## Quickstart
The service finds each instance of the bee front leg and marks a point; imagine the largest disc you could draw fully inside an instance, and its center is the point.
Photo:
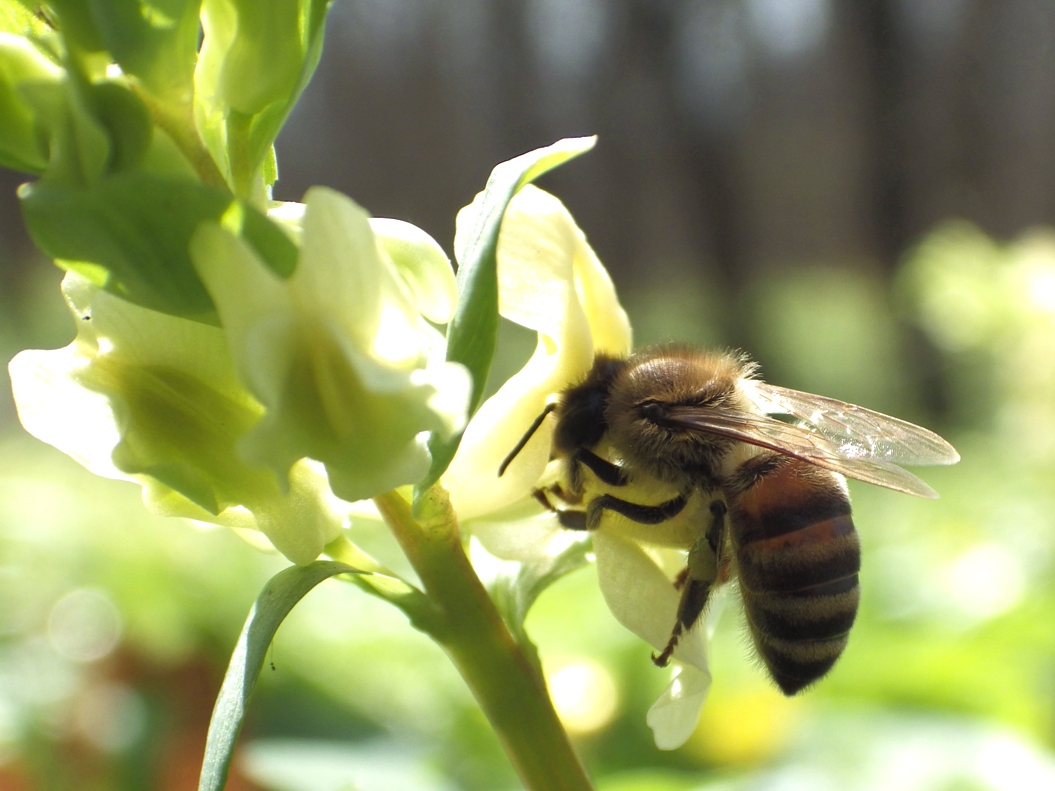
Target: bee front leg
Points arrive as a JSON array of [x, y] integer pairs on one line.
[[697, 581], [606, 472]]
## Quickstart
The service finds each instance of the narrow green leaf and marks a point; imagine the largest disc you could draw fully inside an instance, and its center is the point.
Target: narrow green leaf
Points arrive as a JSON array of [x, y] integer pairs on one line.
[[279, 596], [137, 228], [473, 332]]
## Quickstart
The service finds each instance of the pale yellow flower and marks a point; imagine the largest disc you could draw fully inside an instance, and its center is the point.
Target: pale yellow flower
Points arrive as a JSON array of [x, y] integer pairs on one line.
[[551, 281]]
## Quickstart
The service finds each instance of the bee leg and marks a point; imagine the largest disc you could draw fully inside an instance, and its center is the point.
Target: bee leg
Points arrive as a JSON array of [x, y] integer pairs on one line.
[[569, 519], [643, 514], [697, 580], [540, 495], [606, 471], [568, 497], [572, 520], [662, 659], [681, 579], [693, 599]]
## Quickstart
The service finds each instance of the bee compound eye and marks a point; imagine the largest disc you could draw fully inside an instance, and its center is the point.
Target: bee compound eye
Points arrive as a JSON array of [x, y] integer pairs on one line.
[[653, 411]]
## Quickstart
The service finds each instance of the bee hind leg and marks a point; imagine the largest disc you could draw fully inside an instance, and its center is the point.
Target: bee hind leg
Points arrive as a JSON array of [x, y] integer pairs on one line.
[[695, 582], [694, 595]]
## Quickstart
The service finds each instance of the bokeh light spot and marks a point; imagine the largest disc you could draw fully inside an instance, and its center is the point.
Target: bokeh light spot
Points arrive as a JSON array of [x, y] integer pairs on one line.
[[84, 625], [584, 694], [986, 580], [744, 728], [111, 717]]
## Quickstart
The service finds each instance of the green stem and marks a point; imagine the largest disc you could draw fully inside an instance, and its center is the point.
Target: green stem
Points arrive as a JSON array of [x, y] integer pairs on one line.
[[238, 128], [472, 632], [180, 127]]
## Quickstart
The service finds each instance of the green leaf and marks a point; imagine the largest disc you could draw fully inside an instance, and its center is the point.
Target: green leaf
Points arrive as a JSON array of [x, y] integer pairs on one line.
[[473, 332], [268, 123], [279, 596], [23, 143], [77, 24], [262, 63], [155, 40], [137, 227], [126, 120]]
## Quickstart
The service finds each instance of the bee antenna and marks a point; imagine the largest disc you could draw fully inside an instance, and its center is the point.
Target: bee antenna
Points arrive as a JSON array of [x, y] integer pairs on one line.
[[525, 439]]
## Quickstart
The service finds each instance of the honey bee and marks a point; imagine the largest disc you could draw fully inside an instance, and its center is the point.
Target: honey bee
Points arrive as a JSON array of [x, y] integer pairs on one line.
[[766, 497]]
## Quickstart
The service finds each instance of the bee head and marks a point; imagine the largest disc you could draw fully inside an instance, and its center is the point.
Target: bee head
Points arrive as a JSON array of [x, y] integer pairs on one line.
[[656, 380]]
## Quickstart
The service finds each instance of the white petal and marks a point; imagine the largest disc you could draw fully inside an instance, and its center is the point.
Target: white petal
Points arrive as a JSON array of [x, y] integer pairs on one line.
[[337, 353], [527, 538], [398, 467], [57, 410], [472, 479], [139, 336], [342, 274], [674, 715], [453, 385], [254, 307], [303, 522], [551, 281], [423, 265], [642, 597]]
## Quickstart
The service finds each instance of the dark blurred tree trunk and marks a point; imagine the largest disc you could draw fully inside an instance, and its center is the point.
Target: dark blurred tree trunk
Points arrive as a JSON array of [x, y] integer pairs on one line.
[[884, 53]]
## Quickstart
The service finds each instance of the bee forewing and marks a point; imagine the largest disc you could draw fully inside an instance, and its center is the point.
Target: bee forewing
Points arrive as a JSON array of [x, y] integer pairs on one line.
[[859, 433], [800, 442]]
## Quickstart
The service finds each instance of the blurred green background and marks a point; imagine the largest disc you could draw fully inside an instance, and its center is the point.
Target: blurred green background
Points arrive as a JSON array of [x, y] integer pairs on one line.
[[854, 193]]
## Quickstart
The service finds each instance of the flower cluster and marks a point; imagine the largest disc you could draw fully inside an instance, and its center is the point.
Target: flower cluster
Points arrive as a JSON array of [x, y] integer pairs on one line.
[[329, 379]]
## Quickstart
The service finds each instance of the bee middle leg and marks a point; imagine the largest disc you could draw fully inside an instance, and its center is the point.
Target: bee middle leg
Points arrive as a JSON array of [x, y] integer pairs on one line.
[[642, 514]]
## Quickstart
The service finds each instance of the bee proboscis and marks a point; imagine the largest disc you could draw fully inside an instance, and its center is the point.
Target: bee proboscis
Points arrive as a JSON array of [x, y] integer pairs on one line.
[[769, 501]]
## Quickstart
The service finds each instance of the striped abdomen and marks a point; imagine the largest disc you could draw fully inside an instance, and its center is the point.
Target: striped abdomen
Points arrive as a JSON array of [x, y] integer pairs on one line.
[[798, 556]]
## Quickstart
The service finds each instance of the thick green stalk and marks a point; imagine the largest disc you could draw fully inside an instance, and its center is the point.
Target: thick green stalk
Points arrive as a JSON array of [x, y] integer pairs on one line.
[[504, 682], [180, 127]]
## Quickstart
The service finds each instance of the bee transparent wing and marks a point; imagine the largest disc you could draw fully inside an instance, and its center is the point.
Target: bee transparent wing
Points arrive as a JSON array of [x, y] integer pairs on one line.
[[856, 431], [800, 442]]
